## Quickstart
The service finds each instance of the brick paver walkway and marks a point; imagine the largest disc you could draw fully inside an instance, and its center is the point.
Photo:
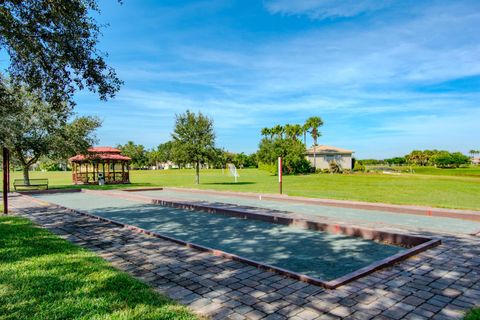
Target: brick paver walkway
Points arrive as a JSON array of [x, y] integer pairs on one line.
[[441, 283]]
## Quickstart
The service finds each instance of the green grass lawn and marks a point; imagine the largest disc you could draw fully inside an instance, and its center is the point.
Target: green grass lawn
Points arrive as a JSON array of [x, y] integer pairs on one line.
[[473, 171], [437, 190], [45, 277], [473, 314]]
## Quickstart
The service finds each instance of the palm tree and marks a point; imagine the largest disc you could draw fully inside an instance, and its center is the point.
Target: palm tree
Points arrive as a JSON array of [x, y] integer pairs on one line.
[[305, 129], [313, 124], [293, 131], [266, 132], [278, 130], [473, 152]]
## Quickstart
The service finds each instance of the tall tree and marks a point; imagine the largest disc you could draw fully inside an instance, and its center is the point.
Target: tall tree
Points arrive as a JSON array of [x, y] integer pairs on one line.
[[314, 123], [52, 46], [194, 140], [305, 129], [33, 131]]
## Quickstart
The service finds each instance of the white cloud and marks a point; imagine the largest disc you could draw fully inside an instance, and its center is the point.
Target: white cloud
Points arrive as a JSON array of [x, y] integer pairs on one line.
[[323, 9]]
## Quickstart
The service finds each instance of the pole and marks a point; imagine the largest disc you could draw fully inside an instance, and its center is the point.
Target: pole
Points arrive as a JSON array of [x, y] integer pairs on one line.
[[8, 171], [280, 174], [5, 180]]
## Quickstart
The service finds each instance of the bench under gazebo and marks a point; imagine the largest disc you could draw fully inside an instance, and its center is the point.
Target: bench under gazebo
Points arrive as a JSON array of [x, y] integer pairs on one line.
[[100, 161]]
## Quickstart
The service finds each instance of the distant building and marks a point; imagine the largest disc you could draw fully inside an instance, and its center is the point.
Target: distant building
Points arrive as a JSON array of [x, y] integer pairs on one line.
[[323, 155], [476, 161]]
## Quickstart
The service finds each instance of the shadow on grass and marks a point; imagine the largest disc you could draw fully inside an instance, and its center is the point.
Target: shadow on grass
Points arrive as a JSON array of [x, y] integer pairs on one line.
[[230, 183], [45, 277]]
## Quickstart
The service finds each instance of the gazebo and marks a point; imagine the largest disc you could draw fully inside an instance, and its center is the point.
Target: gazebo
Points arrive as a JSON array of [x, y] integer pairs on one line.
[[106, 161]]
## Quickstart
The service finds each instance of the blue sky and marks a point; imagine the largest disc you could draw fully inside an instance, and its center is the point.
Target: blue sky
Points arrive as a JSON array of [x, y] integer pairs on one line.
[[386, 76]]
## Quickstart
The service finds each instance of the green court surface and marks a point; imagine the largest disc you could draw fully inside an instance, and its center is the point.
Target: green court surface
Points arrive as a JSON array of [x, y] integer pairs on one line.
[[345, 214], [313, 253]]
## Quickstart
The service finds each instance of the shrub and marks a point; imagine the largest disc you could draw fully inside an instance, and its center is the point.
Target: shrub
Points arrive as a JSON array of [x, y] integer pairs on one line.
[[359, 166], [334, 167], [271, 168], [292, 152]]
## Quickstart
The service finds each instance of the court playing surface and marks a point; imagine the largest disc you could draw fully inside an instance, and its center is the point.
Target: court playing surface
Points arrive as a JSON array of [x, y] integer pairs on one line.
[[313, 253], [408, 221]]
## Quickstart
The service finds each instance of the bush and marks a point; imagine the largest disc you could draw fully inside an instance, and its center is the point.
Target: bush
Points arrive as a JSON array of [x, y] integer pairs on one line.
[[359, 166], [334, 167], [292, 152], [271, 168]]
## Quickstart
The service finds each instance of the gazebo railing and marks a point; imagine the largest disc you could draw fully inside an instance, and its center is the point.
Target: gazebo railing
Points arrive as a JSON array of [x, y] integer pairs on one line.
[[83, 177]]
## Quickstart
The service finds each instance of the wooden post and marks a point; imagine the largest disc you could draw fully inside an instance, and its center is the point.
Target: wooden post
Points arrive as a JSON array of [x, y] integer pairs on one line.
[[8, 171], [280, 174], [123, 171], [113, 170], [108, 169], [6, 168]]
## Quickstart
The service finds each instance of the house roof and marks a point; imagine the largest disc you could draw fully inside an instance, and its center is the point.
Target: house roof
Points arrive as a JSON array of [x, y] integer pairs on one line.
[[327, 149], [100, 153]]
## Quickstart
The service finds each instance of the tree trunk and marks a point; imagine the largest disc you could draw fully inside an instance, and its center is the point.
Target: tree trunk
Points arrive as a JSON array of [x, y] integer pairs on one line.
[[198, 173], [26, 175], [305, 138]]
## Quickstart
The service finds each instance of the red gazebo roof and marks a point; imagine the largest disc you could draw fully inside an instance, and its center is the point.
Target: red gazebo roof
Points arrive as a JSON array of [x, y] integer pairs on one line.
[[103, 150], [100, 153]]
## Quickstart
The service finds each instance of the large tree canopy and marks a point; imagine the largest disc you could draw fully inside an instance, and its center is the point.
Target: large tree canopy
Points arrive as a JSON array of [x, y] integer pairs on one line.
[[33, 130], [52, 45]]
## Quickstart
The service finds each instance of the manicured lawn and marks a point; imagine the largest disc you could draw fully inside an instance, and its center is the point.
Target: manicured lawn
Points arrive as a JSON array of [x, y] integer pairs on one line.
[[45, 277], [473, 171], [448, 191], [474, 314]]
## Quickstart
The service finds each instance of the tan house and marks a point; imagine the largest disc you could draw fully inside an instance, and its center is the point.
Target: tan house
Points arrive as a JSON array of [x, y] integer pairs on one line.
[[323, 155]]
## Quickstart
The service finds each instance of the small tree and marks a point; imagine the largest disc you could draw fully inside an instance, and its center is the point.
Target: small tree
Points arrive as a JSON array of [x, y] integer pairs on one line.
[[193, 140]]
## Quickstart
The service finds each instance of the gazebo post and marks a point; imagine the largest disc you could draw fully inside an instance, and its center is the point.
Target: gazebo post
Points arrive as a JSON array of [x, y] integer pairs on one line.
[[128, 171], [103, 170], [79, 176], [74, 172], [108, 169], [114, 170]]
